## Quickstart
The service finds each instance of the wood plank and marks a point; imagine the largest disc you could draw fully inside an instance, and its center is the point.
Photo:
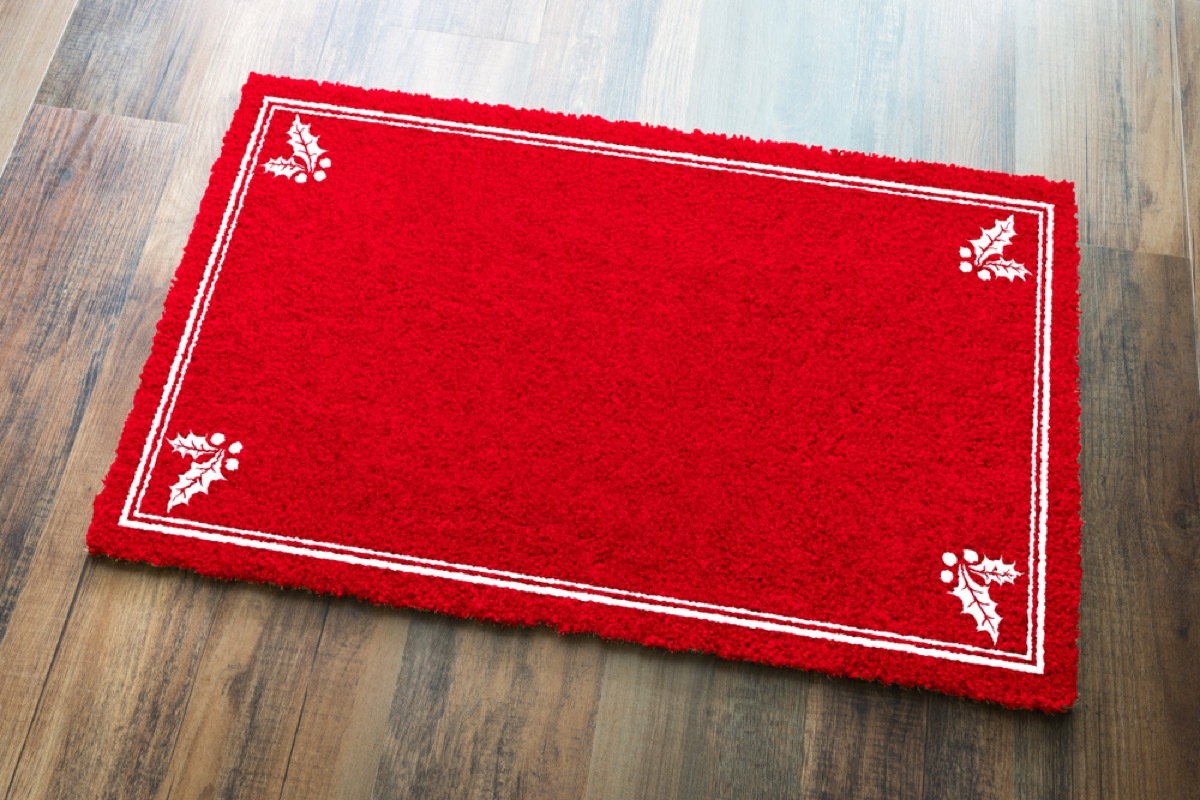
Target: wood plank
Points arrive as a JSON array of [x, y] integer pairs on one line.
[[859, 76], [449, 65], [235, 734], [969, 750], [1138, 719], [339, 741], [621, 60], [1186, 53], [497, 20], [1095, 104], [77, 201], [646, 710], [129, 58], [29, 35], [484, 711], [748, 736], [864, 740], [125, 670]]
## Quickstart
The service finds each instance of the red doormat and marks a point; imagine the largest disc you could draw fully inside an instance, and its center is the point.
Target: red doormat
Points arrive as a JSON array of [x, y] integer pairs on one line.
[[808, 408]]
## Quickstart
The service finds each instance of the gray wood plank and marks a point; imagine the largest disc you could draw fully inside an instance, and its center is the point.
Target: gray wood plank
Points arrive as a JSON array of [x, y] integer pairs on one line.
[[1095, 104], [29, 35]]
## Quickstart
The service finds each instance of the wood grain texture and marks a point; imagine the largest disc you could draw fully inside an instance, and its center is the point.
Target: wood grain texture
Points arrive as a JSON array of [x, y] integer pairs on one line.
[[1095, 104], [1186, 30], [498, 20], [239, 721], [126, 681], [78, 197], [29, 35], [1141, 444]]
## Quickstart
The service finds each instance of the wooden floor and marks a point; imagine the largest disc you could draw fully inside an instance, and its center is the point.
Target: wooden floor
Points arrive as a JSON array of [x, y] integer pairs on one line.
[[126, 681]]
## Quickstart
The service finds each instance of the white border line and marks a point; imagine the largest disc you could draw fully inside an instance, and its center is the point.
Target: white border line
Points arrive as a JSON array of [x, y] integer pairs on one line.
[[584, 592], [333, 547], [552, 591]]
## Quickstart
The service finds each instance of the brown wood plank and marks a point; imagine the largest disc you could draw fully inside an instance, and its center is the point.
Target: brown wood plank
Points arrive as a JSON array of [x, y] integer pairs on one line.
[[236, 732], [485, 711], [77, 200], [342, 730], [747, 735], [865, 742], [645, 721], [125, 669], [1138, 719]]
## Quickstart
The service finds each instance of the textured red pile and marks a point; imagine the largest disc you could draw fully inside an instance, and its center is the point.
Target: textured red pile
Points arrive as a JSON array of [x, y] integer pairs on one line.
[[810, 408]]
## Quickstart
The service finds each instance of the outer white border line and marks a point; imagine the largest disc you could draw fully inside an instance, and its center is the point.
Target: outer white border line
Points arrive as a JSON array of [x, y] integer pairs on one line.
[[551, 591], [335, 548], [540, 585], [440, 124]]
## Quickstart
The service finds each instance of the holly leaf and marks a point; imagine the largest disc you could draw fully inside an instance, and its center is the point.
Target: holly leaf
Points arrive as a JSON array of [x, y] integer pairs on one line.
[[304, 144], [199, 476], [995, 571], [977, 604], [1003, 268], [192, 446], [993, 240], [282, 166]]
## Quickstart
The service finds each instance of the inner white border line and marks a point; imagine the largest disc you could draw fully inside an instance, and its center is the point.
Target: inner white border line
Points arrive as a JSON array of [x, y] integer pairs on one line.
[[174, 523], [540, 585], [552, 591]]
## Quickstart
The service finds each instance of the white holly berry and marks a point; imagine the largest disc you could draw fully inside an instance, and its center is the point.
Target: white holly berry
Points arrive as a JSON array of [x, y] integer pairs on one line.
[[965, 266], [319, 175], [983, 274], [325, 163], [947, 576], [970, 556], [231, 463], [301, 178], [217, 438], [949, 559], [236, 447]]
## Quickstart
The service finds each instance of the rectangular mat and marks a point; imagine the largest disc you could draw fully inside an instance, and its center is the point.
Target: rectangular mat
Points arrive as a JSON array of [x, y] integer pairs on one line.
[[815, 409]]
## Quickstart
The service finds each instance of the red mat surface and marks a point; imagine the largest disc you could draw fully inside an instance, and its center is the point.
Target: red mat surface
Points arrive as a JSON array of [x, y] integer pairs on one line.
[[809, 408]]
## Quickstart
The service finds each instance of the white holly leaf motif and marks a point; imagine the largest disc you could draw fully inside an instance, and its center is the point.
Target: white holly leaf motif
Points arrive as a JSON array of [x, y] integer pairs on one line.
[[192, 446], [304, 144], [1003, 268], [995, 571], [282, 166], [977, 603], [197, 479], [994, 240]]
